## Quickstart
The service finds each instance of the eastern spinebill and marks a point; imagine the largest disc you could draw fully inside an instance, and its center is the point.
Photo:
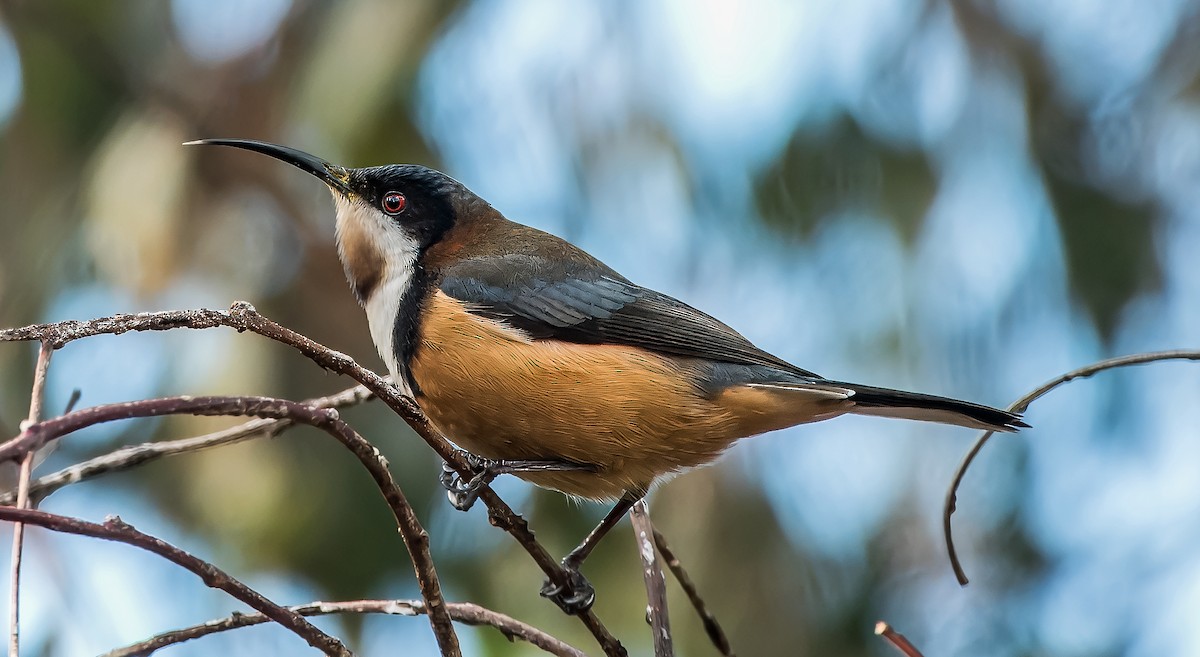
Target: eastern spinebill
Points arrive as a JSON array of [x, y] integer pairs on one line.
[[535, 356]]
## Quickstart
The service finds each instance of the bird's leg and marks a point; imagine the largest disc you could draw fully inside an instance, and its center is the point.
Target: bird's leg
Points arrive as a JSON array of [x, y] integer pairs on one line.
[[577, 595], [462, 494]]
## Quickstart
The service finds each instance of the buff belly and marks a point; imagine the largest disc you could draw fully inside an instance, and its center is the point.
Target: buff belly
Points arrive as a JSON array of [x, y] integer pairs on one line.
[[632, 414]]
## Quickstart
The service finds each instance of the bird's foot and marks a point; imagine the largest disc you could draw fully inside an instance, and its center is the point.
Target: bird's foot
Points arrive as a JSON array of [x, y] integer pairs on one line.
[[576, 596], [462, 494]]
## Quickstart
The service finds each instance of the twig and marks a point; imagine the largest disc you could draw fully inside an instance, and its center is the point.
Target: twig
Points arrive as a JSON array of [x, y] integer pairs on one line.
[[76, 395], [1020, 406], [414, 535], [45, 351], [897, 639], [114, 529], [462, 612], [126, 458], [502, 516], [242, 317], [715, 633], [656, 584], [499, 513]]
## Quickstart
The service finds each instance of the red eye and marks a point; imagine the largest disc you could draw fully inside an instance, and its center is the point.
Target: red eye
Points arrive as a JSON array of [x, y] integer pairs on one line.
[[394, 202]]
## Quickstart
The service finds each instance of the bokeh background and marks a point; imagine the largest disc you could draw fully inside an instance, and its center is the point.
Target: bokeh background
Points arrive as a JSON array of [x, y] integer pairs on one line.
[[963, 198]]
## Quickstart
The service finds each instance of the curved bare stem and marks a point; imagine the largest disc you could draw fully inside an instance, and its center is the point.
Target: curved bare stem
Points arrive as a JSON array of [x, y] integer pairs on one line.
[[1020, 406]]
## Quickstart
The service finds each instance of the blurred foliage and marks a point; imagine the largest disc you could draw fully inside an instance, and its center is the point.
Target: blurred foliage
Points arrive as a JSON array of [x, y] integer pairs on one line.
[[837, 170], [99, 200], [1110, 250]]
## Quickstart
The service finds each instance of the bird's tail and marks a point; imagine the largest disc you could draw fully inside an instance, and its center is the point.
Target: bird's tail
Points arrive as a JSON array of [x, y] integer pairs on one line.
[[884, 402]]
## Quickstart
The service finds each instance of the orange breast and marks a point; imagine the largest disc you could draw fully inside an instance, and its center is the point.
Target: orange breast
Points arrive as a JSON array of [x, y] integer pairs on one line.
[[634, 414]]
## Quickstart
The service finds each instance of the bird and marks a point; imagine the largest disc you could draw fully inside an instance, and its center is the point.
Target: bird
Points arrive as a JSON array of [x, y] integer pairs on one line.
[[541, 361]]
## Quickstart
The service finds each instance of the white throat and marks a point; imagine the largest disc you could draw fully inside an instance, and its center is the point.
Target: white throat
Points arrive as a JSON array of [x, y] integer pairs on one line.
[[362, 230]]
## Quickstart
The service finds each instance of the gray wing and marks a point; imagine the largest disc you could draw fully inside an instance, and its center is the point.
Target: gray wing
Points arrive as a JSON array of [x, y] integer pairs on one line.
[[588, 303]]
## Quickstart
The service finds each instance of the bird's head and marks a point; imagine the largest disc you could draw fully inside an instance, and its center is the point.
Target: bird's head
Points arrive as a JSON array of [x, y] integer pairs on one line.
[[386, 215]]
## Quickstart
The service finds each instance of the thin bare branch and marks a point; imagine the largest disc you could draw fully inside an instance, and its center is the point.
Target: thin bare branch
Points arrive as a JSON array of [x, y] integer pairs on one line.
[[414, 535], [499, 513], [243, 317], [656, 584], [126, 458], [711, 627], [502, 516], [60, 333], [897, 640], [76, 395], [1020, 406], [114, 529], [462, 612], [18, 545]]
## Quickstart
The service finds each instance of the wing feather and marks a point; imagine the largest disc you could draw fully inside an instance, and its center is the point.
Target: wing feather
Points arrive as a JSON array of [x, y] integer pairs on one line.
[[585, 302]]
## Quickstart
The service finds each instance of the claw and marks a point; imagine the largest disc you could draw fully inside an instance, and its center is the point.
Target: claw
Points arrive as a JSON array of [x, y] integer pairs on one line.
[[462, 494], [576, 597], [449, 478]]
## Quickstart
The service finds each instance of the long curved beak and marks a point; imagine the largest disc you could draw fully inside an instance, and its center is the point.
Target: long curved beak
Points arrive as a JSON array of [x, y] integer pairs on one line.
[[333, 175]]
